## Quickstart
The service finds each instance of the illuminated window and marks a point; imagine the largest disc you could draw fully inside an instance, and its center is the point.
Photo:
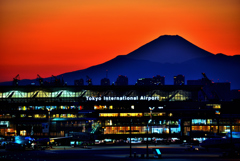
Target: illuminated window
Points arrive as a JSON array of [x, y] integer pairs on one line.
[[125, 130], [23, 132], [6, 123], [23, 115], [130, 114], [199, 121], [100, 107], [216, 106], [49, 108], [201, 128], [186, 123], [156, 114], [66, 94], [96, 107], [40, 115], [224, 129], [146, 114], [236, 128], [108, 114], [175, 130], [179, 95], [63, 116], [39, 107], [18, 94], [209, 121], [217, 112], [7, 116], [108, 122], [124, 115], [23, 108], [186, 130], [64, 107], [71, 115]]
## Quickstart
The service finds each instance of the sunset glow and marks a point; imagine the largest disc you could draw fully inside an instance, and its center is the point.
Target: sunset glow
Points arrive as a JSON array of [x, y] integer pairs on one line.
[[57, 36]]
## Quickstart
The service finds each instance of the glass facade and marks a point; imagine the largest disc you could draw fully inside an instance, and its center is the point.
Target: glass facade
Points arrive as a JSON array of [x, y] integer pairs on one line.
[[111, 110], [177, 95]]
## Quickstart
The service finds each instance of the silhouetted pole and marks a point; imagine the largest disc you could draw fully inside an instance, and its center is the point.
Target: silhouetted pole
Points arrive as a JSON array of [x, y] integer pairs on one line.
[[131, 139], [147, 141], [150, 108], [231, 130]]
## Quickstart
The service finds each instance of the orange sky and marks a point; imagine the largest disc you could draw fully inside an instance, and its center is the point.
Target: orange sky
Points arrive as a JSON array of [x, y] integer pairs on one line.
[[48, 37]]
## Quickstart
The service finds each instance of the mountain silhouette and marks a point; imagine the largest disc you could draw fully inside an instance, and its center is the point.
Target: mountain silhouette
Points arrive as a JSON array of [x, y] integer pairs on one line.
[[168, 49], [166, 56]]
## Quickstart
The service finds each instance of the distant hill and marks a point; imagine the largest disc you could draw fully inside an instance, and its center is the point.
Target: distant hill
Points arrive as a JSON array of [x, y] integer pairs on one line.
[[178, 57]]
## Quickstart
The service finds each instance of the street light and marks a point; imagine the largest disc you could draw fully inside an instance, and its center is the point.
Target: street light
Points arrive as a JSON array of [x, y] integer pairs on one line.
[[149, 121]]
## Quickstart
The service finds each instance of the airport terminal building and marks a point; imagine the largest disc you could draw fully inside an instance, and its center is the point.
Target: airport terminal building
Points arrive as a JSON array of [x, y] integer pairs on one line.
[[115, 112]]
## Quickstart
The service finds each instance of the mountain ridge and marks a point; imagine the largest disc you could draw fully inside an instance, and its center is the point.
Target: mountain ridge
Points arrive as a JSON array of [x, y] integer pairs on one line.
[[216, 67]]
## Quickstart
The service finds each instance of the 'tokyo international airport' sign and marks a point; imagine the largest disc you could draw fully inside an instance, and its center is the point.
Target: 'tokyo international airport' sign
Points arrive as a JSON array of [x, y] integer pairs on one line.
[[122, 98]]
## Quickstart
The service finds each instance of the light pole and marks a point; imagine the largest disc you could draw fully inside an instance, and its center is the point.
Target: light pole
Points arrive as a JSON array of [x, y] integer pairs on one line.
[[150, 120], [130, 139], [49, 123]]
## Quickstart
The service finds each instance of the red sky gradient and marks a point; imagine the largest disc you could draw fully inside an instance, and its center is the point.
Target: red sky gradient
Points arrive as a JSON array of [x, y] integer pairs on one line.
[[48, 37]]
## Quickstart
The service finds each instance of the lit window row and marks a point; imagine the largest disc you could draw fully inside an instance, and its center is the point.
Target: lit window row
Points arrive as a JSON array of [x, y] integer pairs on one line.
[[108, 114], [103, 107], [49, 108], [213, 129], [130, 114], [7, 116], [155, 114], [8, 132], [125, 130], [64, 116], [179, 95], [40, 94], [168, 122], [214, 106], [228, 121], [133, 114], [120, 114], [141, 130], [34, 115], [4, 123], [203, 121]]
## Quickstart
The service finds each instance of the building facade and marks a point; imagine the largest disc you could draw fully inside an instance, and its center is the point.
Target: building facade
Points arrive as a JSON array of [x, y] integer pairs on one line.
[[179, 80], [115, 112], [121, 81]]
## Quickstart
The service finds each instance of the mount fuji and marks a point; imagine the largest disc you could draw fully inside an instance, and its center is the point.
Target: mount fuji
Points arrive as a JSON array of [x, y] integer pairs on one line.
[[168, 55]]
